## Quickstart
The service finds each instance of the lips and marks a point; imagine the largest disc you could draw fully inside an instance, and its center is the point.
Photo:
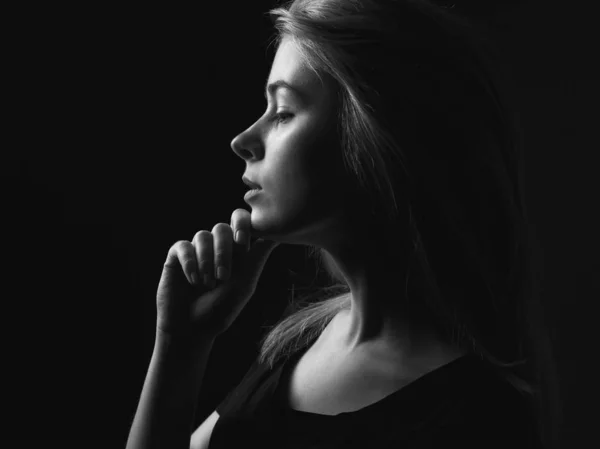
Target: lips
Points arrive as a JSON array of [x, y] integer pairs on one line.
[[250, 184]]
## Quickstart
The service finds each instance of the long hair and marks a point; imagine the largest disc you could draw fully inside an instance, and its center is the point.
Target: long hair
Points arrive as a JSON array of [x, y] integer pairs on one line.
[[434, 153]]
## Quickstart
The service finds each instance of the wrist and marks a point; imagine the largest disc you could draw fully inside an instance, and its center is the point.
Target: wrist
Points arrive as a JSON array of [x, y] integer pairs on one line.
[[183, 341]]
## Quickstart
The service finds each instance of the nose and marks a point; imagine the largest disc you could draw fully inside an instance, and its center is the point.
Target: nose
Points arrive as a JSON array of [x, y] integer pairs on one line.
[[247, 144]]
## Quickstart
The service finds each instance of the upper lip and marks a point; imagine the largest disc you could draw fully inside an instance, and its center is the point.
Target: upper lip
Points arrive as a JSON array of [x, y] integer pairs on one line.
[[249, 183]]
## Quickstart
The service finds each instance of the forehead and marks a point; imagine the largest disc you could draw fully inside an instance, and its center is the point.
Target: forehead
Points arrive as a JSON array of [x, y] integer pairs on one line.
[[289, 66]]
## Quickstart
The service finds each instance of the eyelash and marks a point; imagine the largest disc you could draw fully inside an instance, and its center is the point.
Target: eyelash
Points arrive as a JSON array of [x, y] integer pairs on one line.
[[279, 117]]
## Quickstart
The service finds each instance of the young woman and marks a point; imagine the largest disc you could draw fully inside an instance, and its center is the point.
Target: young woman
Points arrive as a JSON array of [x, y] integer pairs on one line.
[[386, 147]]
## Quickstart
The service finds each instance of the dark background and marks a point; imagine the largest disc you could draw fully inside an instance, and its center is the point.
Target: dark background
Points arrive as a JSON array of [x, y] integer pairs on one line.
[[121, 128]]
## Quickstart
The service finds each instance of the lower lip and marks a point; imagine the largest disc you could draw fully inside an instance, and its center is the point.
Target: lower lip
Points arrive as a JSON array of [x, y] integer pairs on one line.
[[251, 194]]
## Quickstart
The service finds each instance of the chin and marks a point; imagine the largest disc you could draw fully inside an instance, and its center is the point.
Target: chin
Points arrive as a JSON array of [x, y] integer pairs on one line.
[[263, 226]]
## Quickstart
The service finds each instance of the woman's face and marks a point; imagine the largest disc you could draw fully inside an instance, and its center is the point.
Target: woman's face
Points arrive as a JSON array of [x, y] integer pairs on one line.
[[292, 152]]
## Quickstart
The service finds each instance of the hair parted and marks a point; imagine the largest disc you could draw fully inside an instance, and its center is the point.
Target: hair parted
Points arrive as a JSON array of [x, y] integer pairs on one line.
[[434, 152]]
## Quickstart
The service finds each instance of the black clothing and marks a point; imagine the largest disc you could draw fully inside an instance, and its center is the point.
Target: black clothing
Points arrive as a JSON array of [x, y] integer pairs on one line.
[[462, 404]]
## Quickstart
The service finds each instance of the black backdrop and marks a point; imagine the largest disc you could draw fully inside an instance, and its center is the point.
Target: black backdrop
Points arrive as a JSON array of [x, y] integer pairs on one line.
[[122, 126]]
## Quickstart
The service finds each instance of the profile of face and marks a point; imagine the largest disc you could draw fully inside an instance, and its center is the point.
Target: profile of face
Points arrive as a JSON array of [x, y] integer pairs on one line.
[[293, 153]]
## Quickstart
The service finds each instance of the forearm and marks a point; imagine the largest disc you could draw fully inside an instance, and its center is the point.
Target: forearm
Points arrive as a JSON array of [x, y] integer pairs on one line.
[[165, 413]]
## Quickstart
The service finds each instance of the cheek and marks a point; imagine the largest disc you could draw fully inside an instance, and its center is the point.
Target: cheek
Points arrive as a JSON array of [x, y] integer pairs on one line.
[[310, 182], [298, 195], [307, 177], [315, 176], [310, 196]]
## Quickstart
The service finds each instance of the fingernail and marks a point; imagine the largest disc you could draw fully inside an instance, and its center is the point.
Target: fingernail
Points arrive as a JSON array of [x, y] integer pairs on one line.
[[222, 273], [194, 277], [240, 237]]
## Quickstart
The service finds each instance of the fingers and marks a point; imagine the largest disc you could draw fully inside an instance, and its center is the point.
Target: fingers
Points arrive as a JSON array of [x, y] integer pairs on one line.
[[204, 252], [240, 224], [183, 251], [223, 248], [213, 250]]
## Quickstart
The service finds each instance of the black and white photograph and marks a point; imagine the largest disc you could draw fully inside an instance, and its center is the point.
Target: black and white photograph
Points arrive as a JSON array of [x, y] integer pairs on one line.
[[301, 224]]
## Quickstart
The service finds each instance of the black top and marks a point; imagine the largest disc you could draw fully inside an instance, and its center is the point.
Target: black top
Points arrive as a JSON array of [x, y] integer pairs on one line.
[[462, 404]]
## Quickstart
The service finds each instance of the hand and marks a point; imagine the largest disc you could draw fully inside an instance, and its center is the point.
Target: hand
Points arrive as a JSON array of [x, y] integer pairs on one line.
[[209, 308]]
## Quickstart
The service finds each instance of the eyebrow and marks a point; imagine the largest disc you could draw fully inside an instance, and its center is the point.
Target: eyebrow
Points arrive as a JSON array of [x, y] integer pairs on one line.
[[272, 88]]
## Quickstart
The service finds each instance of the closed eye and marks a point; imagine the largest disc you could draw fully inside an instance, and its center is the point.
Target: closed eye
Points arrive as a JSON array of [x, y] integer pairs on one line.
[[281, 117]]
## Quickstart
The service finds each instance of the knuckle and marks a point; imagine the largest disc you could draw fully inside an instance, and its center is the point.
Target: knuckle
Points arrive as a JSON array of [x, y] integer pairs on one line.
[[189, 263], [221, 256], [205, 250], [221, 228], [205, 266], [180, 246], [202, 235], [236, 215], [240, 213]]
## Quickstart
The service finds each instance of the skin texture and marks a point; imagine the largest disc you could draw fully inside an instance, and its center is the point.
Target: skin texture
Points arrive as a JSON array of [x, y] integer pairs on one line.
[[304, 201]]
